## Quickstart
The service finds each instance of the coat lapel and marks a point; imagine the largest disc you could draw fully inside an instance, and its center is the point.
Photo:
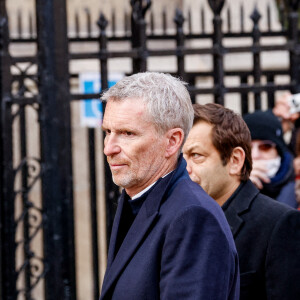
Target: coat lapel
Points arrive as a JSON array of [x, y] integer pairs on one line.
[[239, 206], [114, 232], [140, 227], [132, 241]]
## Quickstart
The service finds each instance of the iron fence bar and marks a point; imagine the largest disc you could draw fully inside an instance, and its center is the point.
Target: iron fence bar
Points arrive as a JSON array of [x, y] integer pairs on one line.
[[164, 21], [179, 20], [218, 51], [271, 97], [139, 36], [19, 24], [152, 23], [168, 52], [152, 36], [282, 14], [255, 16], [56, 155], [89, 22], [111, 190], [126, 23], [258, 88], [93, 212], [202, 18], [242, 17], [243, 88], [31, 25], [113, 22], [269, 17], [77, 24], [8, 275], [294, 53], [190, 29], [244, 96], [228, 19]]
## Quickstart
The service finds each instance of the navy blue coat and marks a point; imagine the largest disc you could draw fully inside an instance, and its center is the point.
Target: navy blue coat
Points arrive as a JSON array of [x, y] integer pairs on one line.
[[178, 247], [267, 237]]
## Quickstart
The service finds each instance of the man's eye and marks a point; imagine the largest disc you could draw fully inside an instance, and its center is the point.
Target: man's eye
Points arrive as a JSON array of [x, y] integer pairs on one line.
[[107, 132], [198, 158], [127, 133]]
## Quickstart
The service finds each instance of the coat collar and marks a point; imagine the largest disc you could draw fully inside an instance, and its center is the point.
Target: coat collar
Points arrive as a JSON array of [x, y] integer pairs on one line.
[[239, 205], [143, 221]]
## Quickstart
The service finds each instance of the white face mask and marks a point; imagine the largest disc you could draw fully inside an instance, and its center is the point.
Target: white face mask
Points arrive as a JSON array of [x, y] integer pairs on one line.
[[272, 165]]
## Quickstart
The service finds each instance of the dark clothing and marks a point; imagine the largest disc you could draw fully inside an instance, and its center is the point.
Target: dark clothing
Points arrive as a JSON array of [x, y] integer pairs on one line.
[[130, 211], [179, 246], [267, 237], [264, 125], [282, 185]]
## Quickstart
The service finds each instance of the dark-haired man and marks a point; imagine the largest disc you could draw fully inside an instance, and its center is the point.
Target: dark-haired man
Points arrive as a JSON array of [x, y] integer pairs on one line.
[[266, 233]]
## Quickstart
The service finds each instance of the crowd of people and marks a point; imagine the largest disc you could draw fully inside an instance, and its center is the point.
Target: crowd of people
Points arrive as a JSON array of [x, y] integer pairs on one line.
[[208, 206]]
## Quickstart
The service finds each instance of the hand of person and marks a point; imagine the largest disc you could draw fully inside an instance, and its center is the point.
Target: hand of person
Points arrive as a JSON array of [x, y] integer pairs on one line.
[[297, 165], [282, 108], [259, 174]]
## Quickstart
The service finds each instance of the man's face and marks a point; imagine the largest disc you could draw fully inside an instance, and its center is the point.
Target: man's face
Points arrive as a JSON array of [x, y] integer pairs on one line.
[[134, 149], [203, 161]]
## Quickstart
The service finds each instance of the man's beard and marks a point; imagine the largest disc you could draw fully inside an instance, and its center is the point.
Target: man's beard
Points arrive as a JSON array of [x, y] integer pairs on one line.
[[124, 181]]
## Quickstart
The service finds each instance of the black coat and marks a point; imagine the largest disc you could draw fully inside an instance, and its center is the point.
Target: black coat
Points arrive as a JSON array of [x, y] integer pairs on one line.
[[267, 238], [178, 247]]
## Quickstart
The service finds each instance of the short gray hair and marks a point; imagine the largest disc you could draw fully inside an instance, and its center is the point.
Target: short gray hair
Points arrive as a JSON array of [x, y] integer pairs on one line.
[[167, 99]]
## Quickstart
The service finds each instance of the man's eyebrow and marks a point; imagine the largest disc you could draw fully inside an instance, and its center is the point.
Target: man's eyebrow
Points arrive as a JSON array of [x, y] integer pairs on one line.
[[190, 148]]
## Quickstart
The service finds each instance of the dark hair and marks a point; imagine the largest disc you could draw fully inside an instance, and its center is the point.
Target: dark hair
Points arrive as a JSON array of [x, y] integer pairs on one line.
[[229, 131]]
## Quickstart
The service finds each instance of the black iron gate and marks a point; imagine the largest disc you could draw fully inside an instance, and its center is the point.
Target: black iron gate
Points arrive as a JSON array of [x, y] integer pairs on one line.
[[37, 190]]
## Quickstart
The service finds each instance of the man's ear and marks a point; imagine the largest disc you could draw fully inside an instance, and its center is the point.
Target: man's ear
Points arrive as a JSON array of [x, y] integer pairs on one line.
[[236, 161], [174, 141]]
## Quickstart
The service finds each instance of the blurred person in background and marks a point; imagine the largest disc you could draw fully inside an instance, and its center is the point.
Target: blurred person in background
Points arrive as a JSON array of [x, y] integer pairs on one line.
[[290, 122], [273, 172], [289, 119]]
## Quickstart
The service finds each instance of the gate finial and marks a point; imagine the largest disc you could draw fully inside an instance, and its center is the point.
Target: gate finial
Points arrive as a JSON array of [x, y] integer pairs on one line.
[[102, 22], [179, 18], [255, 16]]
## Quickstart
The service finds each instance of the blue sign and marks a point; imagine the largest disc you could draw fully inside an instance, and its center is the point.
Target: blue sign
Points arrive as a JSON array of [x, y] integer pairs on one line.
[[91, 109]]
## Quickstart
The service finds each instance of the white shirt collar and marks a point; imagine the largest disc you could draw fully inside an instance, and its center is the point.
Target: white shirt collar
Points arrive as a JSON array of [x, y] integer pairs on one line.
[[147, 188]]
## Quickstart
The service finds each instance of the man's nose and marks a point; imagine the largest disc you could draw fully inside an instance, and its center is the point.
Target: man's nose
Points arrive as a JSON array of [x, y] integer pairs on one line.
[[188, 167], [111, 146]]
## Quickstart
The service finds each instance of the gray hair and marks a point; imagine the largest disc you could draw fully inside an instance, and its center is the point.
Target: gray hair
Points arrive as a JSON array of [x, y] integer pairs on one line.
[[167, 99]]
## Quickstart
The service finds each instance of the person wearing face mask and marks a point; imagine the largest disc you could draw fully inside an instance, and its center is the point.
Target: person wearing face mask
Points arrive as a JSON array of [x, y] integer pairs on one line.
[[272, 172]]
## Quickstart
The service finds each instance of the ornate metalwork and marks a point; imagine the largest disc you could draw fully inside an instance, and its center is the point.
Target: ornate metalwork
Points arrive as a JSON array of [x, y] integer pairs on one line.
[[179, 18], [255, 16], [31, 221], [102, 22]]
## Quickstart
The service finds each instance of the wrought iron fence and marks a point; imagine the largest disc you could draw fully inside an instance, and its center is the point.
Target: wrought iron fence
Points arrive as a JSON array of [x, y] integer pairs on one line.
[[37, 225]]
